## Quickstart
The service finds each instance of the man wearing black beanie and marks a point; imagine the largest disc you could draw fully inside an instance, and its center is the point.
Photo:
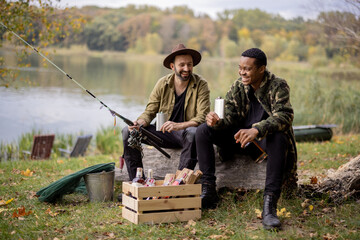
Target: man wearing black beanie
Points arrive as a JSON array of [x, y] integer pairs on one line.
[[258, 111]]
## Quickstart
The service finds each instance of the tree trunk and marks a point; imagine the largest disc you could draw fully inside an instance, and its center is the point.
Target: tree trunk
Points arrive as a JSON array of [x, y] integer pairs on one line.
[[340, 184]]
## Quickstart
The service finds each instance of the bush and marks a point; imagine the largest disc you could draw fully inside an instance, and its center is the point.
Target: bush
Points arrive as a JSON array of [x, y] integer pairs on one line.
[[108, 140]]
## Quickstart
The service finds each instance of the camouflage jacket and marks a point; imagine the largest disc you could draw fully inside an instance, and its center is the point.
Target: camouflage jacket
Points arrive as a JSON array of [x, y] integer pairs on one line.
[[274, 97]]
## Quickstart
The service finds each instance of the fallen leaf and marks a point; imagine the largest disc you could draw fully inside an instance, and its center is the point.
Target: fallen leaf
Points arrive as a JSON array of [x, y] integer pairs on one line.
[[49, 212], [258, 213], [313, 235], [16, 171], [31, 194], [218, 237], [313, 180], [60, 161], [328, 236], [191, 223], [20, 212], [27, 173], [283, 212], [311, 207], [110, 235], [3, 203]]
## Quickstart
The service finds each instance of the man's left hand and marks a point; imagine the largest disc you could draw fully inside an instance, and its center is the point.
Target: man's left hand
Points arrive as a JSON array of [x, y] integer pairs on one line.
[[244, 136]]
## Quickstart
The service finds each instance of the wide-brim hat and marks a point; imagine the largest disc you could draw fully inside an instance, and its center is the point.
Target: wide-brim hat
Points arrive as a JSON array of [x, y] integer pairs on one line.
[[180, 49]]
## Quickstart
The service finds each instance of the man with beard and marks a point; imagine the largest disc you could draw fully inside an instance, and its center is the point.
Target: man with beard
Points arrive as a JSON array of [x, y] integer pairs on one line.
[[184, 97], [257, 111]]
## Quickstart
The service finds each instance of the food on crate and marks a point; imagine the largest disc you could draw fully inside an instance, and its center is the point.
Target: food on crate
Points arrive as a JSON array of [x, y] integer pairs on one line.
[[169, 179], [185, 176], [179, 181]]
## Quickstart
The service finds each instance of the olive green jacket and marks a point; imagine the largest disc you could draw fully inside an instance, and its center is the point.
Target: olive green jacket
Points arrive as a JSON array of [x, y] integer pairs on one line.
[[274, 96], [162, 99]]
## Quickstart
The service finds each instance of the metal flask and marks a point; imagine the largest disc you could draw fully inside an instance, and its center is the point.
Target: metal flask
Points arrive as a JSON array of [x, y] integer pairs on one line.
[[160, 120]]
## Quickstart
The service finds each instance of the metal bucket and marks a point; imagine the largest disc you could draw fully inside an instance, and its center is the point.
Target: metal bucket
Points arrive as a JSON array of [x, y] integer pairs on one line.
[[100, 186]]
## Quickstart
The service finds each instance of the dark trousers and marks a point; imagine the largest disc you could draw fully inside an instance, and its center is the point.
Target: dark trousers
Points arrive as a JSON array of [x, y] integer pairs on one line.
[[275, 145], [184, 139]]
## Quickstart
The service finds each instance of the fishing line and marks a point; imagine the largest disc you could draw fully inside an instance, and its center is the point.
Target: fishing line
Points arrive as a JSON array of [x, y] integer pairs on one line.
[[151, 137]]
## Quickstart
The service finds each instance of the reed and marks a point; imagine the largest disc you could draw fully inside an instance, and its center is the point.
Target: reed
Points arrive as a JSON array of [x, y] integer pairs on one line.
[[108, 140]]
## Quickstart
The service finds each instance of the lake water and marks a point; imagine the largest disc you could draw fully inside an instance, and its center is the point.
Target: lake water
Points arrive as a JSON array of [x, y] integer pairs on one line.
[[54, 104]]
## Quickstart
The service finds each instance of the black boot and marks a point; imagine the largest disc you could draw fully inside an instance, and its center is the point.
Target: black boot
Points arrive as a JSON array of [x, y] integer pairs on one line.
[[209, 196], [270, 218]]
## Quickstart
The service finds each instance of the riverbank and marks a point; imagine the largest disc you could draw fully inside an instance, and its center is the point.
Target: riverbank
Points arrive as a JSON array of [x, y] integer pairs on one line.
[[236, 217]]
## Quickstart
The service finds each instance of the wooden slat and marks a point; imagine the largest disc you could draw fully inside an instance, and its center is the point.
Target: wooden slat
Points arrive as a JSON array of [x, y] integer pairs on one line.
[[130, 202], [169, 216], [129, 215], [162, 191], [161, 217], [168, 204]]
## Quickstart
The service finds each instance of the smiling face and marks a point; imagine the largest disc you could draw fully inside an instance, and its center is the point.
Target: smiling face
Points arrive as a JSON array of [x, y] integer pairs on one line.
[[250, 73], [183, 66]]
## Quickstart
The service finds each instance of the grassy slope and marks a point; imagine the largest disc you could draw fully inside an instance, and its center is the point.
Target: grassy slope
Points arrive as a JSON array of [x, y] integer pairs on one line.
[[236, 218]]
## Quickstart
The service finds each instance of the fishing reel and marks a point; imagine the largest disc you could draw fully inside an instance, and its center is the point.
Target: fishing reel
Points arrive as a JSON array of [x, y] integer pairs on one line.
[[135, 140]]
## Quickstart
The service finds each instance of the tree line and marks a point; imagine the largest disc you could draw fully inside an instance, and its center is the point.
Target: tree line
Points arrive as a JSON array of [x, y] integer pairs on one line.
[[150, 30]]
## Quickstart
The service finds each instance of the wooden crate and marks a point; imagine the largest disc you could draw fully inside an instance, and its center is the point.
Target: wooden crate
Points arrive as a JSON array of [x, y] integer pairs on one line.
[[183, 203]]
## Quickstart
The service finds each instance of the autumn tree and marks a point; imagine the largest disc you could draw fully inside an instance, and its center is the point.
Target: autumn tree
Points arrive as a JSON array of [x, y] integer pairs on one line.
[[36, 21], [102, 35], [342, 29], [135, 27]]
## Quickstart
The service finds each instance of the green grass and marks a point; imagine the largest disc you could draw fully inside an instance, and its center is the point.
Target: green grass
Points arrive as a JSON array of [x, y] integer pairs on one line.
[[76, 218], [107, 141]]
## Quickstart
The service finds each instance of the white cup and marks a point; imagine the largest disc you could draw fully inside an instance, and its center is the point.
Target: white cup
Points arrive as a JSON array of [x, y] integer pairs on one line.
[[219, 107]]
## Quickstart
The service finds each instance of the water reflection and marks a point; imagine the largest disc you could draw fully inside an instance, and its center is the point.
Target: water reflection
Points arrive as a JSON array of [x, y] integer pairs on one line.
[[55, 104]]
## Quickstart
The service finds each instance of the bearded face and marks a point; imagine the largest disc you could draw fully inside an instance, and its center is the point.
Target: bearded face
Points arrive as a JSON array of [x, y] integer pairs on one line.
[[182, 66]]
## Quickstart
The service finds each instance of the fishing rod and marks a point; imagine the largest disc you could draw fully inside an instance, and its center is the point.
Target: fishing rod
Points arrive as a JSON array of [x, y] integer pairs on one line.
[[149, 137]]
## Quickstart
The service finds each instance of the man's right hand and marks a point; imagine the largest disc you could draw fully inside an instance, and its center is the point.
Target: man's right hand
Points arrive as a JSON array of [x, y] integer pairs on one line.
[[137, 124], [211, 119]]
